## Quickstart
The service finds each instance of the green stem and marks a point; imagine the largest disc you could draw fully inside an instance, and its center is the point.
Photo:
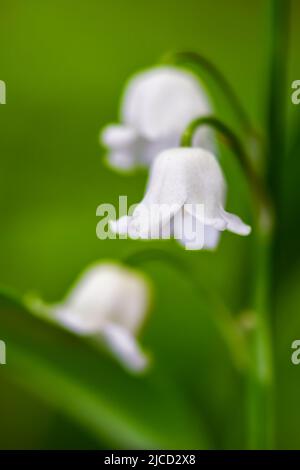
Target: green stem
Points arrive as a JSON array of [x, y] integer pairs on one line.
[[228, 135], [221, 316], [261, 386], [186, 58]]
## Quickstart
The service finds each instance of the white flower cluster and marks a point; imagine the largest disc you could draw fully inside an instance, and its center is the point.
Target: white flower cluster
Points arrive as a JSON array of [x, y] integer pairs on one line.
[[185, 198], [186, 192]]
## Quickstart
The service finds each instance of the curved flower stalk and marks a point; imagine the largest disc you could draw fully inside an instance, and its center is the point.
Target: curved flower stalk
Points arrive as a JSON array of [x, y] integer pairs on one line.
[[109, 302], [157, 106], [185, 198], [194, 59]]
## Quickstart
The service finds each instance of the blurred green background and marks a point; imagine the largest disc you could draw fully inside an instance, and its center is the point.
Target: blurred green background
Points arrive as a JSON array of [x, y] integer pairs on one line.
[[65, 63]]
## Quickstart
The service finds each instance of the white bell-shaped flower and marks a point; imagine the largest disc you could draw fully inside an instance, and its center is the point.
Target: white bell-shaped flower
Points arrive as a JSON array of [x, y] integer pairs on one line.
[[185, 198], [109, 301], [157, 106]]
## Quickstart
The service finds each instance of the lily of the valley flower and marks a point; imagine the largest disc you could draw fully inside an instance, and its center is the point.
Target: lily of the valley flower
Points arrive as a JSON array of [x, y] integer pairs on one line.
[[185, 197], [157, 106], [109, 301]]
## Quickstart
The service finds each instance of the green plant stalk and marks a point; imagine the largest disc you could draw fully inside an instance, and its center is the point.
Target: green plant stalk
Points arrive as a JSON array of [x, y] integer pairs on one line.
[[262, 423]]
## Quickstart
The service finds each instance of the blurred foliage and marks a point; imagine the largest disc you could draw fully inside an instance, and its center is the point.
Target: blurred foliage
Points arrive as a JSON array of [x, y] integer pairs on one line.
[[65, 64]]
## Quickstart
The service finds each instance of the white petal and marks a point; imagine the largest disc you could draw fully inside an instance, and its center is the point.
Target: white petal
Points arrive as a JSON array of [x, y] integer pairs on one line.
[[121, 225], [204, 179], [189, 179], [122, 160], [118, 136], [162, 101], [127, 225], [205, 185], [72, 320], [211, 237], [151, 221], [151, 148], [165, 195], [124, 146], [193, 234], [235, 224], [125, 347], [189, 231], [190, 176]]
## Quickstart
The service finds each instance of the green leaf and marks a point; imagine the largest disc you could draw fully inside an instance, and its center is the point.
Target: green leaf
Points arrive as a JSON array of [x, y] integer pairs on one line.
[[67, 372]]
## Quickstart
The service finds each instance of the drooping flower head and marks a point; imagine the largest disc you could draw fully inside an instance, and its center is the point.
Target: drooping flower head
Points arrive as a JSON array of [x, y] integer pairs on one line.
[[185, 197], [157, 105], [110, 301]]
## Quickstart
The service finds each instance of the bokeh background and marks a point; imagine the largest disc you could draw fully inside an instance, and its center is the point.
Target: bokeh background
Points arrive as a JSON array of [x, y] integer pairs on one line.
[[65, 63]]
